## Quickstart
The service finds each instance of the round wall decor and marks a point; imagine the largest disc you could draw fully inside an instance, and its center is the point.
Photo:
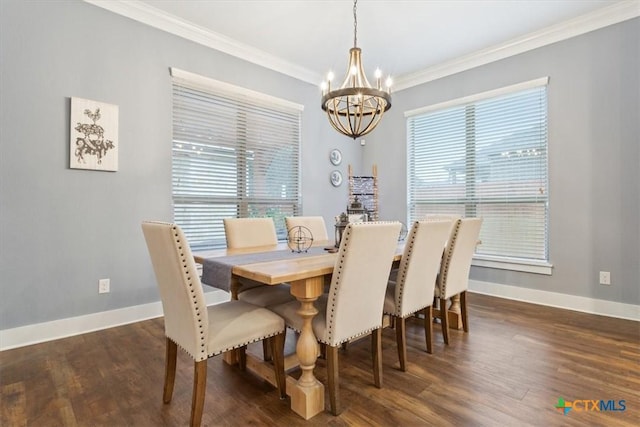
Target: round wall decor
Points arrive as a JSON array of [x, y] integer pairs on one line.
[[336, 178], [335, 157]]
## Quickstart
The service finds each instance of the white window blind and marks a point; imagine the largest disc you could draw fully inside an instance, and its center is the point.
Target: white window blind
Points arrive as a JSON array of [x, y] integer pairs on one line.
[[235, 154], [485, 156]]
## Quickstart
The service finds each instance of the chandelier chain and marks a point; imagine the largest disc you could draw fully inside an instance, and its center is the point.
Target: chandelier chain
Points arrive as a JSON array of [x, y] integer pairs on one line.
[[355, 24]]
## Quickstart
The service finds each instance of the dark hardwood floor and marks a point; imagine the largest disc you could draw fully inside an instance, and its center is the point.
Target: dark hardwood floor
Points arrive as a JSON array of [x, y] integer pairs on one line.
[[510, 370]]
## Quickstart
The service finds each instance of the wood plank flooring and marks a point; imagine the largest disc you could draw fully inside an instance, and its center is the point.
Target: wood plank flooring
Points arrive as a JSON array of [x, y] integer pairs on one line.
[[510, 370]]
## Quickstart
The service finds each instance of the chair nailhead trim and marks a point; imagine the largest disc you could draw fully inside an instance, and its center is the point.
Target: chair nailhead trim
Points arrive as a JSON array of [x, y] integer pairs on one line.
[[445, 268], [405, 264], [247, 343], [197, 309], [338, 276]]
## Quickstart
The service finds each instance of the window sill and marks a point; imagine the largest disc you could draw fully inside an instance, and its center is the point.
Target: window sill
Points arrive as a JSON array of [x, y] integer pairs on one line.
[[513, 264]]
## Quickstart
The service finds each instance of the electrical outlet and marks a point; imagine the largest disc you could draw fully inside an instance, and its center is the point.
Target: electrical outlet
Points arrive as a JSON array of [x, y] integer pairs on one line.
[[103, 286], [605, 278]]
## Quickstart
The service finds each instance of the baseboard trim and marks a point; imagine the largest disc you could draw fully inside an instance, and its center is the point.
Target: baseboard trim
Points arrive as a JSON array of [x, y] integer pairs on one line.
[[56, 329], [555, 299]]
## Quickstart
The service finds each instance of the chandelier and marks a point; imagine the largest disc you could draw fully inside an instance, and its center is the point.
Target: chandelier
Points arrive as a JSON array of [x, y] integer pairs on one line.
[[355, 108]]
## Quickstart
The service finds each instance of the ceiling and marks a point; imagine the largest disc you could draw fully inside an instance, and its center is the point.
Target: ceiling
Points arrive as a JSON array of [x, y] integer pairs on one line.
[[401, 37]]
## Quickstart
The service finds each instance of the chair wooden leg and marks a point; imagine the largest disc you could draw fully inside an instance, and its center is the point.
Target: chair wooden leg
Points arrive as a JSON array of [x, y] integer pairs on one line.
[[333, 380], [428, 328], [401, 342], [376, 352], [277, 350], [463, 311], [444, 319], [169, 370], [266, 351], [199, 387], [242, 358]]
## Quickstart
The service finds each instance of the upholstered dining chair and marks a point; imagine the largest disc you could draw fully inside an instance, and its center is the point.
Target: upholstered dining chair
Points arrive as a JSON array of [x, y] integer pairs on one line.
[[413, 290], [253, 232], [202, 331], [429, 217], [353, 306], [453, 278], [315, 224], [247, 232]]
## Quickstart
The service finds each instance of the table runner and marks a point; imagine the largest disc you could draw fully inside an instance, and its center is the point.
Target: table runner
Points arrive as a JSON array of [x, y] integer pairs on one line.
[[216, 271]]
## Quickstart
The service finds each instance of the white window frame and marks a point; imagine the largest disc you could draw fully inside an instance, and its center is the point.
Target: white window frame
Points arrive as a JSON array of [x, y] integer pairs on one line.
[[234, 138], [498, 262]]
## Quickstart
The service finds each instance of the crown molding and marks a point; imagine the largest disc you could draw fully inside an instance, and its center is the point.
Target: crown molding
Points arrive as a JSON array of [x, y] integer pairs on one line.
[[600, 18], [161, 20]]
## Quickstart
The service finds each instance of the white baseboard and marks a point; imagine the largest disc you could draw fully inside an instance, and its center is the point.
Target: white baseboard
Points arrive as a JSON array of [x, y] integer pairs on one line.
[[56, 329], [48, 331], [555, 299]]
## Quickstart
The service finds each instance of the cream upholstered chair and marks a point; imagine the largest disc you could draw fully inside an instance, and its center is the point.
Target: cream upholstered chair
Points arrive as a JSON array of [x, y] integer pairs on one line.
[[416, 280], [247, 232], [315, 224], [454, 270], [253, 232], [429, 217], [353, 306], [199, 330]]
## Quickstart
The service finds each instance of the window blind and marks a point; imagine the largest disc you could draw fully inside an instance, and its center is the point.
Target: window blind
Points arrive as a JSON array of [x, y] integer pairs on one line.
[[235, 154], [485, 158]]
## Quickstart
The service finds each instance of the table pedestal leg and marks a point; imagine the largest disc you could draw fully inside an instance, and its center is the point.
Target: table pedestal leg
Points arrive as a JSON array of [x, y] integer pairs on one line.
[[455, 318], [307, 393]]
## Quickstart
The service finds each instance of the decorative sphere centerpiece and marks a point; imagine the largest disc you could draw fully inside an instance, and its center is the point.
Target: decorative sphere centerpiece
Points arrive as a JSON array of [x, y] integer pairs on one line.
[[299, 239]]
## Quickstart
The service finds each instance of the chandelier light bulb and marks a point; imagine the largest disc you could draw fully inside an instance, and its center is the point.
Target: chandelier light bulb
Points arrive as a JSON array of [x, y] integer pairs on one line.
[[378, 75], [330, 76]]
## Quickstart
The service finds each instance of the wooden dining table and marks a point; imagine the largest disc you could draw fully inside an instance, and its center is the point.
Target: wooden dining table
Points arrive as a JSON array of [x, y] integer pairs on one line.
[[307, 276]]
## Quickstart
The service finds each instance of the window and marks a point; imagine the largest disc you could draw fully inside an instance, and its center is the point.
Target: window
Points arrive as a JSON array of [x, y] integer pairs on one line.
[[236, 153], [486, 156]]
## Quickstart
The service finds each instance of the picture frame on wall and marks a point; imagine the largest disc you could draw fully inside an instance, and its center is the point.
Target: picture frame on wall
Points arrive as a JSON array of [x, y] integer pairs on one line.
[[93, 134]]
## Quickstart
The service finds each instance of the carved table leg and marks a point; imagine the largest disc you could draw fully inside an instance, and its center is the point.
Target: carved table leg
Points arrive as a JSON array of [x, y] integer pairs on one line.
[[307, 393], [455, 318], [454, 315]]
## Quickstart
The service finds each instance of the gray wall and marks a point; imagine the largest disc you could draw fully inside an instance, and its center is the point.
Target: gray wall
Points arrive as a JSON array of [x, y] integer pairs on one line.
[[594, 157], [63, 229]]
